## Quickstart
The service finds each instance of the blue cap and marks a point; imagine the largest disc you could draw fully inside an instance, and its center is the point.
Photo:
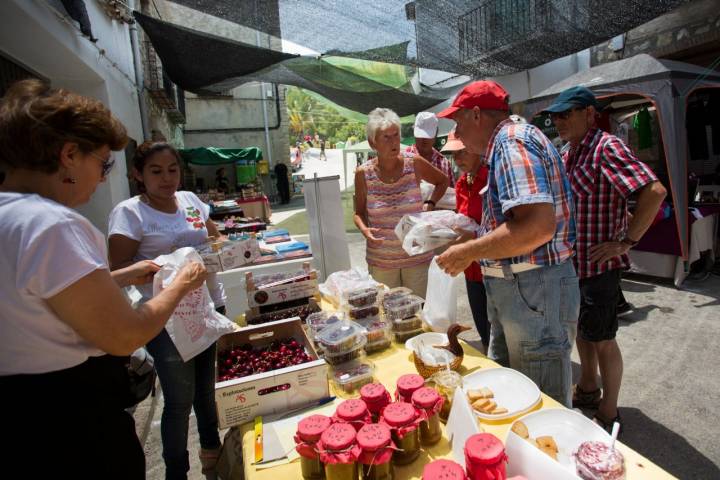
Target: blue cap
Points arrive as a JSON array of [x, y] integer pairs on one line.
[[571, 98]]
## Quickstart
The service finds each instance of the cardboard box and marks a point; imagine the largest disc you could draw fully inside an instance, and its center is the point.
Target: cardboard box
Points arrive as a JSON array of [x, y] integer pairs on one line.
[[242, 399], [212, 262], [238, 253]]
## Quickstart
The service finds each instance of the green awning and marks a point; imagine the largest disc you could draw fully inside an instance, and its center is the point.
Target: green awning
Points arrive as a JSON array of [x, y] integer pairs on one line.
[[220, 156]]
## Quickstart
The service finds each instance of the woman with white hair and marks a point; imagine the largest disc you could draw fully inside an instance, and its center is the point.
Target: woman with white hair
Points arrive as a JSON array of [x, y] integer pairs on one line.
[[386, 188]]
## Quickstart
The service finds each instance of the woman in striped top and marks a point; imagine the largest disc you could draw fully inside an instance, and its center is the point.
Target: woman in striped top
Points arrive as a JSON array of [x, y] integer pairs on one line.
[[386, 188]]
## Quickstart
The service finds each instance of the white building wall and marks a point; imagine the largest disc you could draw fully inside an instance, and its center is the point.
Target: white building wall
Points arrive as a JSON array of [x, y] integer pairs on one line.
[[38, 35]]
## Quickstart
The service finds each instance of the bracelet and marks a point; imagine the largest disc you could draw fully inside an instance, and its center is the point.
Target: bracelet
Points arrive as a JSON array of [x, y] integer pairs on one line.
[[430, 202], [629, 241]]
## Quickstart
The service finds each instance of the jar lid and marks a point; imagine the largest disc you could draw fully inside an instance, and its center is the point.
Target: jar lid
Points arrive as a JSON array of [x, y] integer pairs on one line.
[[484, 448], [399, 414], [408, 383], [338, 436], [310, 428], [443, 469], [352, 409], [373, 392], [373, 436], [425, 397]]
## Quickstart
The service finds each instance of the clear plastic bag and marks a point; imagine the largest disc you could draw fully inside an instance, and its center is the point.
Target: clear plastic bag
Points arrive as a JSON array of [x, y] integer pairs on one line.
[[426, 231], [338, 283]]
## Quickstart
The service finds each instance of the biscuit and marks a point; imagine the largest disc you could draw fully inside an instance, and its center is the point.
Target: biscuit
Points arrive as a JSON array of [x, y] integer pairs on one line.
[[474, 395], [481, 404], [547, 442], [520, 429], [550, 452], [499, 411]]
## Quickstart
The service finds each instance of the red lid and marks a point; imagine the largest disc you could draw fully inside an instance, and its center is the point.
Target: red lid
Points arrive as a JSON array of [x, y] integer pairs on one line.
[[353, 409], [443, 469], [484, 448], [399, 414], [425, 397], [373, 392], [310, 428], [338, 436], [373, 436], [407, 384]]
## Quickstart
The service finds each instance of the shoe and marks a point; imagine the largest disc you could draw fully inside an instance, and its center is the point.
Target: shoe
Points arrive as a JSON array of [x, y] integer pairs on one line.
[[623, 309], [209, 459], [606, 424], [583, 399]]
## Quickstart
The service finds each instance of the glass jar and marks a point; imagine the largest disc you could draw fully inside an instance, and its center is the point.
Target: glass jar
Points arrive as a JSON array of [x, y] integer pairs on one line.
[[485, 457], [339, 452], [403, 419], [446, 382], [376, 397], [376, 451], [406, 386], [353, 411], [308, 433], [443, 469], [429, 401]]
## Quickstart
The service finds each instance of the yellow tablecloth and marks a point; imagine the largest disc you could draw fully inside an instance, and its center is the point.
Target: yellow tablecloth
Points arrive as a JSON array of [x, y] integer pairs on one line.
[[396, 361]]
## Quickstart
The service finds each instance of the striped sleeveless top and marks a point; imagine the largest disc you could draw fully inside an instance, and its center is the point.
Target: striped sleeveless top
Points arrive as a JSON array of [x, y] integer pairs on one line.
[[386, 204]]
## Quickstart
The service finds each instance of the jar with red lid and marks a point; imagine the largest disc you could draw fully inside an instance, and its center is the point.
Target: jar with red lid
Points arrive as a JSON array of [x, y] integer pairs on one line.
[[376, 397], [443, 470], [403, 420], [339, 452], [429, 402], [406, 385], [376, 451], [485, 457], [308, 434], [353, 411]]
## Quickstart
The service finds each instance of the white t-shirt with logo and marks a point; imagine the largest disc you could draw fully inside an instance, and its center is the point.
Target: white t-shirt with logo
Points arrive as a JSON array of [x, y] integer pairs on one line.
[[44, 248], [161, 233]]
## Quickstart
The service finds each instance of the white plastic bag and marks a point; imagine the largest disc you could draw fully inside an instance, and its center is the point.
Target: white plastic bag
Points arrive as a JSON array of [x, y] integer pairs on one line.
[[339, 282], [448, 200], [194, 325], [440, 309], [426, 231]]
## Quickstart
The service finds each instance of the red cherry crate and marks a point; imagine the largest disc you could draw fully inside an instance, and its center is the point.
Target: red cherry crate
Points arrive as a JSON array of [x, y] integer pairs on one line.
[[242, 399]]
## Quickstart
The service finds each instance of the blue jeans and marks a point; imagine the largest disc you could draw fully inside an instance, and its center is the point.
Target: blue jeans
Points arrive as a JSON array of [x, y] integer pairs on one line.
[[533, 317], [185, 385], [478, 306]]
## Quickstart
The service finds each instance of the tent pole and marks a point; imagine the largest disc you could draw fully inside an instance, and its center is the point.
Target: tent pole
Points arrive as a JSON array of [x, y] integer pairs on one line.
[[263, 98]]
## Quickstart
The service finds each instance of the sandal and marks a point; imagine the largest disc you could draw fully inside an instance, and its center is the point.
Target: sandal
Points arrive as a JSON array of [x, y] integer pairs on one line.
[[209, 459], [606, 424], [583, 399]]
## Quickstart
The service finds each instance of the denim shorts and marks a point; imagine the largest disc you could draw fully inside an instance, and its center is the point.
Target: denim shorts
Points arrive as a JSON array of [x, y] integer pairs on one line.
[[533, 317]]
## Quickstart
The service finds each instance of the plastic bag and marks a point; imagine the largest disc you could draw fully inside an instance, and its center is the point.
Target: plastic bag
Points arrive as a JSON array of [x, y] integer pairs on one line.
[[339, 282], [440, 310], [194, 325], [448, 200], [426, 231]]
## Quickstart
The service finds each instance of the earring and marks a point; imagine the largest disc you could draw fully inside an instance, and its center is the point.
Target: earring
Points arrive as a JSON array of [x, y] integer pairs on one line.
[[68, 180]]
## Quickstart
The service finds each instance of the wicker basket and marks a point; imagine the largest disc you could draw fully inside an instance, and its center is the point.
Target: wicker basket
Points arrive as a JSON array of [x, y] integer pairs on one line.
[[428, 370]]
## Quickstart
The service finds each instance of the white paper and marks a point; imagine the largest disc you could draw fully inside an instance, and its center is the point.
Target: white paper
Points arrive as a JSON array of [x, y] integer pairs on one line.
[[461, 425]]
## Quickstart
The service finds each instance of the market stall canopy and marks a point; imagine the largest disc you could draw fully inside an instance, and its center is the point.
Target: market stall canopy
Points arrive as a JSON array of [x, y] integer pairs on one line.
[[220, 156], [666, 84]]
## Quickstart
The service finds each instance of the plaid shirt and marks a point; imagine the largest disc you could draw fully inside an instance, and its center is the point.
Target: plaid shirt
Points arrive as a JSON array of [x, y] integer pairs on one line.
[[438, 161], [603, 173], [525, 168]]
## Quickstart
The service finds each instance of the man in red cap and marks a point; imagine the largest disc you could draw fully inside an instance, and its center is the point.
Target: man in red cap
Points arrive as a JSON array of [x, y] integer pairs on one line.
[[527, 243]]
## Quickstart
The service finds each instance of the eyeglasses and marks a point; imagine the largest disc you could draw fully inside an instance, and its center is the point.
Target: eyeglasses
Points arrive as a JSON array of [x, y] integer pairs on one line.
[[107, 164], [564, 115]]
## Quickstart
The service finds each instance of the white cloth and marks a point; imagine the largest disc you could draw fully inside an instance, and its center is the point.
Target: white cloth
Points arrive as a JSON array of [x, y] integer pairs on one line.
[[162, 233], [46, 247]]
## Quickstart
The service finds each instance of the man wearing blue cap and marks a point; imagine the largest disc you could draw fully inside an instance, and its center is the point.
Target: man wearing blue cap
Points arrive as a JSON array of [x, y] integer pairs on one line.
[[603, 174]]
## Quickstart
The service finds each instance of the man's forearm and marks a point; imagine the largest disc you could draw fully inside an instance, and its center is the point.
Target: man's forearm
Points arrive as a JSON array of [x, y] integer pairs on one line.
[[648, 203]]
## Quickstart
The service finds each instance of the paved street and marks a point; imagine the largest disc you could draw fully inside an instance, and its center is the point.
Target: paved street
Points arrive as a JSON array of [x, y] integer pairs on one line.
[[669, 398]]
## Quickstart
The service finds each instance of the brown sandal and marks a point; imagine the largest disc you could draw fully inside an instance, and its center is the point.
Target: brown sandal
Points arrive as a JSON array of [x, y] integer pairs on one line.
[[606, 424], [583, 399], [209, 459]]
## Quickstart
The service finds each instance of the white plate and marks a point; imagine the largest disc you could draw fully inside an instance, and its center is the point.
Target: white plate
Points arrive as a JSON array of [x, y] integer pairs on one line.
[[567, 427], [428, 339], [512, 390]]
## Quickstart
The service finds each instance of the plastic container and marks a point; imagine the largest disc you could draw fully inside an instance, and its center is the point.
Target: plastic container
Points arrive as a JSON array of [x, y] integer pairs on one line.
[[340, 337], [351, 376], [443, 470], [403, 420], [429, 401], [376, 397], [599, 461], [308, 433], [378, 345], [445, 382], [407, 324], [355, 352], [339, 452], [360, 297], [402, 337], [403, 307], [485, 457], [318, 321], [376, 451], [376, 327], [354, 412], [395, 294], [406, 386], [360, 313]]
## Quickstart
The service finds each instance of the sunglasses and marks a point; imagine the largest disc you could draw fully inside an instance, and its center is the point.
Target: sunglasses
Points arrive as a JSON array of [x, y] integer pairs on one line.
[[564, 115], [107, 164]]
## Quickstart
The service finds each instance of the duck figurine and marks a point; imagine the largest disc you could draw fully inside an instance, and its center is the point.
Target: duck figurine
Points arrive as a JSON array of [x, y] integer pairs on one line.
[[453, 346]]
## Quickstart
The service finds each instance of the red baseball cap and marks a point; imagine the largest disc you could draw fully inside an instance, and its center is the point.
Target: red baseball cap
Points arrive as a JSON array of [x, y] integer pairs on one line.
[[485, 94]]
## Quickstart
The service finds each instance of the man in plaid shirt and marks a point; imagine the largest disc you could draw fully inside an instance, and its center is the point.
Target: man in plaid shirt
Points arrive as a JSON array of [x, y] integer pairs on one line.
[[527, 240], [603, 173]]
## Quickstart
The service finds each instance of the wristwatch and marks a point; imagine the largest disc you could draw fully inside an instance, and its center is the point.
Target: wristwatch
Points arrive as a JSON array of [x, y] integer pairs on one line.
[[628, 241], [430, 202]]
